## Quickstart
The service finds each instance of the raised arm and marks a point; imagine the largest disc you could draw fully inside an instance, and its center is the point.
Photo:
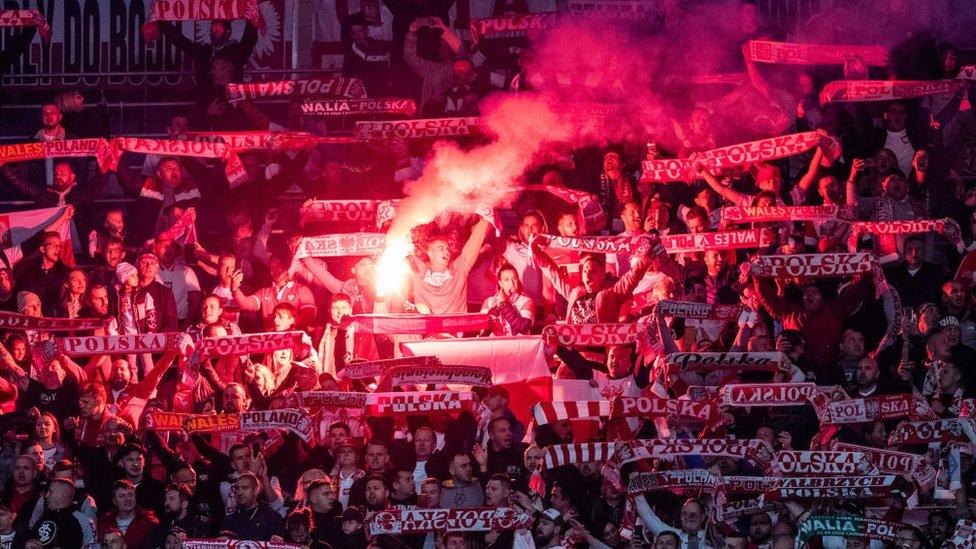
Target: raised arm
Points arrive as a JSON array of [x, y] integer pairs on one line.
[[770, 298], [245, 302], [803, 185], [727, 193], [469, 254], [321, 275], [856, 167], [551, 270], [175, 36], [413, 60], [15, 48]]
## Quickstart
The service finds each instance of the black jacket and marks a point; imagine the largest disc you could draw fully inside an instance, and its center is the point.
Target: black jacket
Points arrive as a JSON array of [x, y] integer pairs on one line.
[[257, 523]]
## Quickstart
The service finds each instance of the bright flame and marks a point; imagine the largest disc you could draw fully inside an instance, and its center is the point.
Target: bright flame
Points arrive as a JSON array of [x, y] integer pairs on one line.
[[392, 269]]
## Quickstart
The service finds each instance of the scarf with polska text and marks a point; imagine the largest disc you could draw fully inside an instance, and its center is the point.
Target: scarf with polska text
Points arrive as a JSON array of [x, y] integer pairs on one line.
[[451, 374], [358, 107], [375, 368], [207, 543], [662, 407], [792, 53], [948, 228], [818, 463], [417, 402], [419, 324], [851, 91], [26, 18], [581, 452], [595, 333], [767, 394], [925, 432], [865, 410], [252, 343], [351, 211], [847, 526], [766, 214], [184, 231], [17, 321], [846, 487], [468, 519], [340, 86], [340, 245], [553, 411], [812, 265], [773, 148], [516, 25], [195, 10], [740, 361], [755, 450], [895, 462], [103, 151], [50, 349], [233, 167], [326, 399], [590, 212], [422, 128]]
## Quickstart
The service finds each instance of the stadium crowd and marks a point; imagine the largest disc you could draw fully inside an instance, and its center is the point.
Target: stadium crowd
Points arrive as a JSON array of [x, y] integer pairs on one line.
[[766, 344]]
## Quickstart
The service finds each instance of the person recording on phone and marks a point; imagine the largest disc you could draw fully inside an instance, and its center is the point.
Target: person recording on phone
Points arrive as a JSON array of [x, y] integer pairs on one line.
[[435, 67]]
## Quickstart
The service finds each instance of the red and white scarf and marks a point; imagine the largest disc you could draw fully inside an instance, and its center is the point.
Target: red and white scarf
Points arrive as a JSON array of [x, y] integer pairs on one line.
[[358, 107], [184, 231], [581, 452], [418, 129], [292, 419], [194, 10], [646, 482], [551, 412], [519, 24], [375, 368], [699, 311], [107, 345], [707, 362], [791, 53], [203, 543], [719, 240], [662, 407], [234, 169], [819, 463], [350, 211], [351, 88], [946, 227], [26, 18], [105, 155], [766, 394], [326, 399], [590, 213], [17, 321], [594, 334], [894, 462], [813, 265], [418, 521], [245, 344], [850, 91], [767, 214], [674, 169], [452, 374], [250, 140], [864, 410], [847, 487], [417, 402], [419, 324], [341, 245], [925, 432], [755, 450]]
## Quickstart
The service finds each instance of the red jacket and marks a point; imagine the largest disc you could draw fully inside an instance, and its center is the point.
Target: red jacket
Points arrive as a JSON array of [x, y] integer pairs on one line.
[[142, 524]]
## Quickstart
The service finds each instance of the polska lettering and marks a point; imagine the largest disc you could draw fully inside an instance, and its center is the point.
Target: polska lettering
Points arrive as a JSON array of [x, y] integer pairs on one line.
[[415, 129], [786, 53], [355, 211], [17, 321], [351, 88], [813, 265], [846, 91], [398, 376], [412, 521], [822, 462], [416, 402], [520, 24], [692, 362], [340, 245], [593, 334], [344, 107], [766, 394], [728, 157], [328, 399], [121, 344], [191, 10], [364, 370], [891, 461], [658, 407], [244, 344]]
